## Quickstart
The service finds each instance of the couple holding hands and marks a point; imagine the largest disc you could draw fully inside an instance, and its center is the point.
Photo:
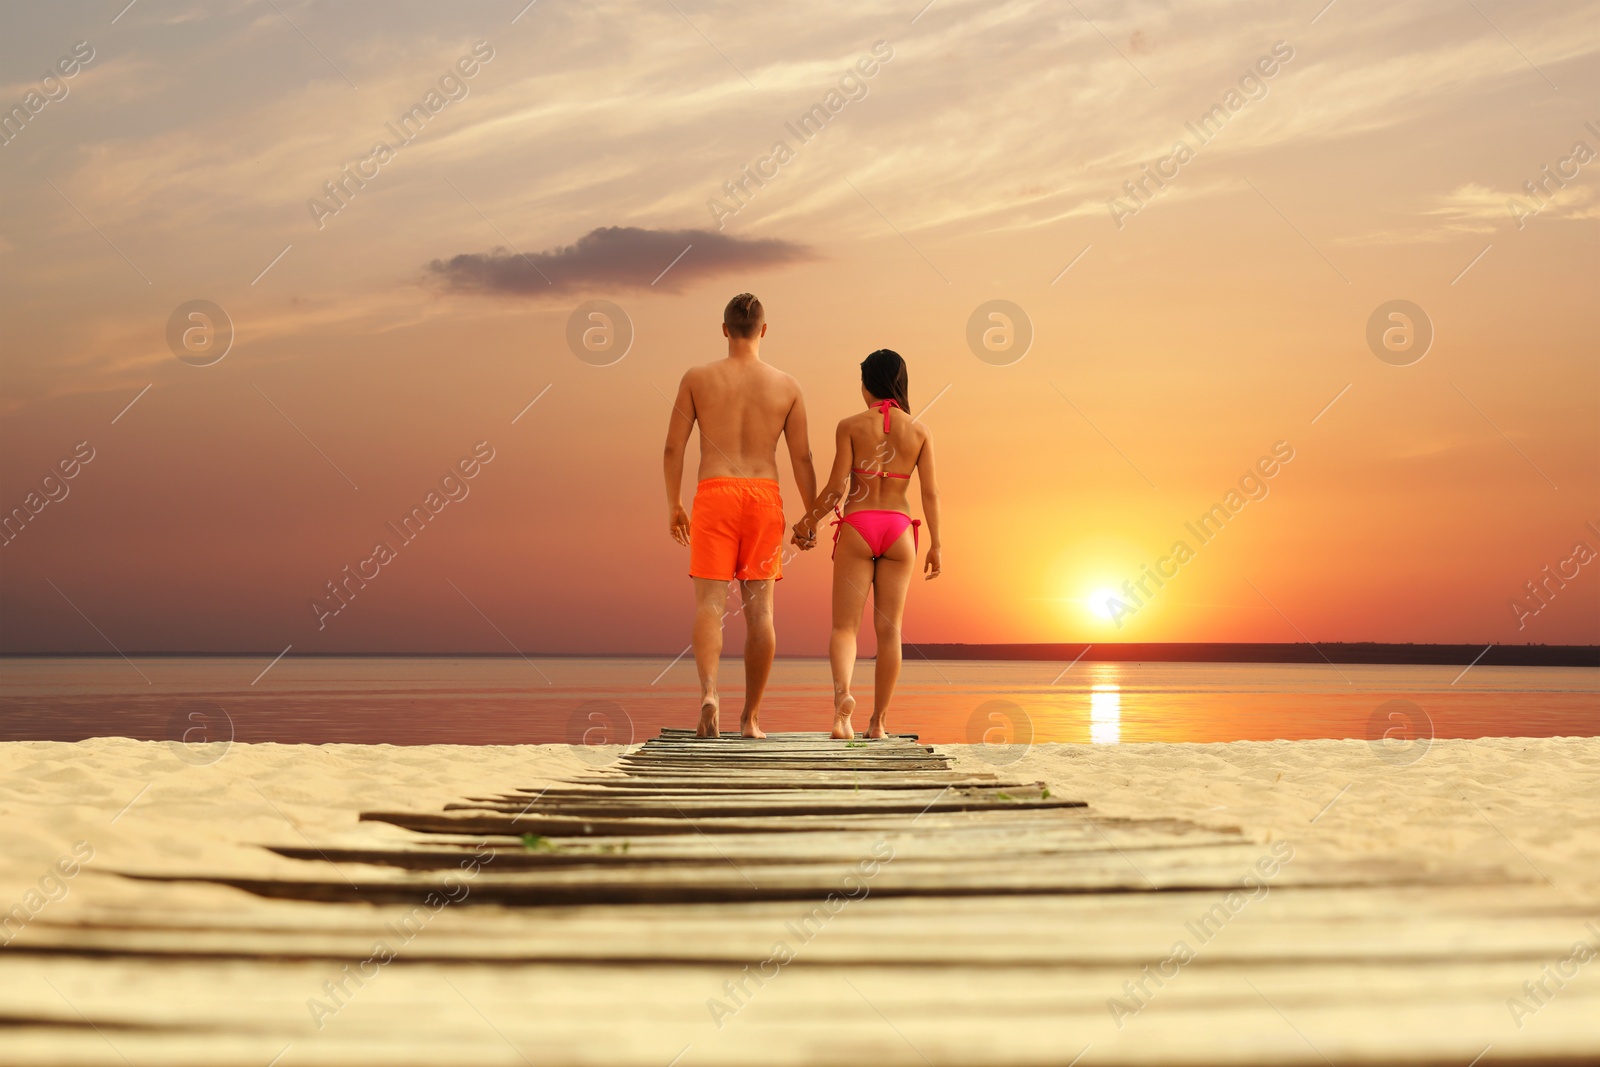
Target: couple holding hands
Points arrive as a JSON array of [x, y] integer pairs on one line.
[[736, 530]]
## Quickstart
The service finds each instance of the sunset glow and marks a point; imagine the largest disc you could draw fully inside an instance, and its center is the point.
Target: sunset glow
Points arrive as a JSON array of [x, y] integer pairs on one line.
[[1339, 347]]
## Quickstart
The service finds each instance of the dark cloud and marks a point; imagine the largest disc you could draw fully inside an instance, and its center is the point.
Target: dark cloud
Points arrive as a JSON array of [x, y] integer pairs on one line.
[[616, 257]]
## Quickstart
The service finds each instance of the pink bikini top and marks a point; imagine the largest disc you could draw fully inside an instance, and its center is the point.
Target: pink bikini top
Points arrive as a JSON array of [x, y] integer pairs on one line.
[[883, 406]]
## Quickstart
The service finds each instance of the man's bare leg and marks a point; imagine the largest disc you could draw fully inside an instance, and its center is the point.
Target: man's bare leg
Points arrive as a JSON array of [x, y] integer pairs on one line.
[[760, 646], [710, 605]]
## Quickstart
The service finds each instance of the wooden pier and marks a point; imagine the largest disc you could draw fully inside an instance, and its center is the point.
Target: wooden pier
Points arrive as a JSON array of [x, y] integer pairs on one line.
[[689, 820]]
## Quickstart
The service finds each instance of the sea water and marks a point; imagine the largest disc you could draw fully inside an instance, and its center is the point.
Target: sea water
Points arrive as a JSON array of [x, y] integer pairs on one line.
[[411, 700]]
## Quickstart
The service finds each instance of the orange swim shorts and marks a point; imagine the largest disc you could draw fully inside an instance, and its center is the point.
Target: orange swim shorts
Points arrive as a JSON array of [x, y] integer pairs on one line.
[[736, 530]]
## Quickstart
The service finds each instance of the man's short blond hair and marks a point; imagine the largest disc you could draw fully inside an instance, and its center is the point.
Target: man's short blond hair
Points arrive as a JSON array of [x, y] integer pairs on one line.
[[744, 315]]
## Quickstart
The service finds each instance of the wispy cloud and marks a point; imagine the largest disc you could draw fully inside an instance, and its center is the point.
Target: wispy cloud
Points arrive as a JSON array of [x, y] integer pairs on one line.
[[1473, 201], [1477, 209], [616, 257]]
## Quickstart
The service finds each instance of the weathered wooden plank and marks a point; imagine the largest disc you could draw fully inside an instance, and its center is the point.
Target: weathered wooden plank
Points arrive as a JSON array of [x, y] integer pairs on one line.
[[749, 745], [742, 806], [708, 782], [866, 766], [710, 772], [724, 750], [759, 790], [1169, 871], [717, 751], [549, 825], [688, 798], [672, 733], [953, 838], [742, 810], [948, 842], [735, 746], [759, 751]]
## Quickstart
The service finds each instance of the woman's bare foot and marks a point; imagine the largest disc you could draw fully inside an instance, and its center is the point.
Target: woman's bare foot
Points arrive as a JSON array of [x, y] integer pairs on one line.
[[748, 727], [842, 729], [875, 727], [710, 726]]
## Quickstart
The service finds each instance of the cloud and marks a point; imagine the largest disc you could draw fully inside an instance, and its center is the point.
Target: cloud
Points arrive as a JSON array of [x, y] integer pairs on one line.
[[1478, 209], [613, 257], [1474, 201]]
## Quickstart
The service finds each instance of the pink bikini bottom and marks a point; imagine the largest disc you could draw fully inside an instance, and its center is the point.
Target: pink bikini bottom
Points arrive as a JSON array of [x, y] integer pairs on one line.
[[879, 529]]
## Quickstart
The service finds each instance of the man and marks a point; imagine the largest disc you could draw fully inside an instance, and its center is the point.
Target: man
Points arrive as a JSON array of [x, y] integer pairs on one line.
[[742, 406]]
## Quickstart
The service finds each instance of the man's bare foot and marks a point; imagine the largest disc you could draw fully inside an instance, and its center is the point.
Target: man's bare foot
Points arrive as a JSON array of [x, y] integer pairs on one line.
[[875, 727], [709, 723], [842, 730], [748, 727]]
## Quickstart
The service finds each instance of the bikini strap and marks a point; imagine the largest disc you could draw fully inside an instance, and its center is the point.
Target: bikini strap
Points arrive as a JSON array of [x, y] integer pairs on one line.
[[883, 406], [877, 474]]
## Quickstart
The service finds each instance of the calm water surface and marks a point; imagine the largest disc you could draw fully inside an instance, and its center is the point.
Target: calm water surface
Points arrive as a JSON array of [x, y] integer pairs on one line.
[[474, 701]]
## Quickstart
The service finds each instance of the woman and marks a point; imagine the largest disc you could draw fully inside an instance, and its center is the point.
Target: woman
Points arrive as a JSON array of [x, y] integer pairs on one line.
[[876, 539]]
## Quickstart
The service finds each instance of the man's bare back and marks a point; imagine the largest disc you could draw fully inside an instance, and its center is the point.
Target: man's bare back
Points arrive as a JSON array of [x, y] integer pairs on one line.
[[742, 406]]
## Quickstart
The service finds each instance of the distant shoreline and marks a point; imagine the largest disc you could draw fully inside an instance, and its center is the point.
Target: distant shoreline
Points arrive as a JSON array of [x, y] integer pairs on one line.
[[1254, 652]]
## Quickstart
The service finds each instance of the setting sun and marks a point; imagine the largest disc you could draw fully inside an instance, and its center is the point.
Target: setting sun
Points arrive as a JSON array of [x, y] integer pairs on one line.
[[1100, 603]]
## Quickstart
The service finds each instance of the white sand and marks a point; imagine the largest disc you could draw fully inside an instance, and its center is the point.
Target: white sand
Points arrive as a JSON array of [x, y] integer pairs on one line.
[[1530, 804], [1528, 809]]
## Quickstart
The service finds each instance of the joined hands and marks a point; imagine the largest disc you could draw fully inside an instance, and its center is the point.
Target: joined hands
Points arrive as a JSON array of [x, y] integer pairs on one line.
[[805, 536]]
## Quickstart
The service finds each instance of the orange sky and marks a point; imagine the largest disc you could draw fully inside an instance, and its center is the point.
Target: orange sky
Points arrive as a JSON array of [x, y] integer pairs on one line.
[[974, 163]]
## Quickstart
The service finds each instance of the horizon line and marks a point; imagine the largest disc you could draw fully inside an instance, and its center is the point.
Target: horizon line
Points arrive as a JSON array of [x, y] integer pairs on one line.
[[1085, 645]]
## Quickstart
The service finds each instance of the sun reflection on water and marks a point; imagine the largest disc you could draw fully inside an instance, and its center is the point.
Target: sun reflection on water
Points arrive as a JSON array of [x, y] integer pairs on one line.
[[1105, 714]]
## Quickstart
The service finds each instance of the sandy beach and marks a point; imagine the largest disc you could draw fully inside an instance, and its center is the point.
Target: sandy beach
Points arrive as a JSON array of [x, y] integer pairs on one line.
[[1499, 838]]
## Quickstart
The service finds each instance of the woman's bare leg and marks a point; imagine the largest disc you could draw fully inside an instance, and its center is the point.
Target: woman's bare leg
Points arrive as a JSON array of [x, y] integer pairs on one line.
[[890, 583], [852, 576]]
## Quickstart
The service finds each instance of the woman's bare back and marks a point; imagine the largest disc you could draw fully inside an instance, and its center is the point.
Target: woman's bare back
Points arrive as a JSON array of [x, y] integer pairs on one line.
[[895, 452]]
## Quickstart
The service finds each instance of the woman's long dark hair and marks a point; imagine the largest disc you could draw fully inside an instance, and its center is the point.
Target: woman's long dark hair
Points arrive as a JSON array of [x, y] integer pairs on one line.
[[883, 374]]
